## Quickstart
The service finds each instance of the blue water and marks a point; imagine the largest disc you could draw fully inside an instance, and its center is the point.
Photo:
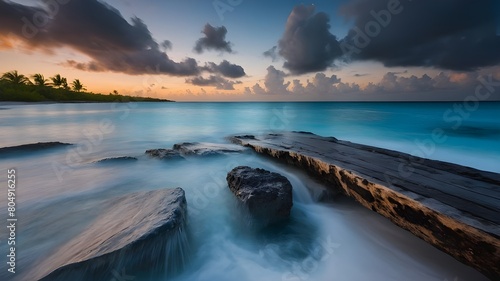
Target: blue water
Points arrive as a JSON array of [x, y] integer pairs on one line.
[[60, 191]]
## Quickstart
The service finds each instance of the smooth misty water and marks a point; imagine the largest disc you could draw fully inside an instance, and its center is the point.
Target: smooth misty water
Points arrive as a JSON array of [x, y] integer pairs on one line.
[[60, 192]]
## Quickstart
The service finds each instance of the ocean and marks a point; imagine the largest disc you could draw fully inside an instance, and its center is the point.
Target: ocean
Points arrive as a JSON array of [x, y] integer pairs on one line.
[[60, 192]]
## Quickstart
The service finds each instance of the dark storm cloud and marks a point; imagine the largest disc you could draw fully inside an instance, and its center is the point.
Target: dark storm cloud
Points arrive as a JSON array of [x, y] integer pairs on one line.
[[216, 81], [94, 29], [497, 16], [13, 17], [307, 44], [226, 68], [215, 39], [457, 35], [446, 34]]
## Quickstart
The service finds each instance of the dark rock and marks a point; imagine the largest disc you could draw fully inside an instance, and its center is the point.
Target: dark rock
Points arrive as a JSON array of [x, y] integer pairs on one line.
[[32, 147], [164, 153], [303, 132], [116, 159], [133, 234], [182, 150], [267, 195], [206, 149], [246, 137]]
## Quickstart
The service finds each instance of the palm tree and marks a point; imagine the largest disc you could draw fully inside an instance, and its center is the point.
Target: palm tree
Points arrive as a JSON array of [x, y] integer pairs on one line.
[[60, 82], [77, 85], [56, 80], [15, 78], [64, 83], [39, 79]]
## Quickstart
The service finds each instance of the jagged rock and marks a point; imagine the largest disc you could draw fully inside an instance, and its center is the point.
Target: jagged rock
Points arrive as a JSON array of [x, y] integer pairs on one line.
[[31, 147], [132, 234], [267, 195], [116, 159]]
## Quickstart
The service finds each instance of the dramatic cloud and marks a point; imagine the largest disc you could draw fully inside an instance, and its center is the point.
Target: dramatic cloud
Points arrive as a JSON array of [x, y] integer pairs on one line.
[[94, 29], [226, 68], [446, 34], [307, 44], [392, 86], [458, 35], [215, 39], [13, 17], [216, 81]]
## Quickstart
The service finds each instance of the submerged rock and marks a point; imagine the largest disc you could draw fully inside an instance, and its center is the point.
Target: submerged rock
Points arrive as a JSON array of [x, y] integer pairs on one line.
[[141, 233], [182, 150], [163, 153], [267, 195], [245, 137], [206, 149], [32, 147], [116, 159]]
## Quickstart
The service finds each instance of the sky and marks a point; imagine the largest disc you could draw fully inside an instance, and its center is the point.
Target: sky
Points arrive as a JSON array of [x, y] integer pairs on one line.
[[242, 50]]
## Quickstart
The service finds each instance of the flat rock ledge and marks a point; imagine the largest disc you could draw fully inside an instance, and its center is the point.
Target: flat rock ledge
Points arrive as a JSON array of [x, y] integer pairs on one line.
[[133, 235], [186, 149], [452, 207], [267, 195]]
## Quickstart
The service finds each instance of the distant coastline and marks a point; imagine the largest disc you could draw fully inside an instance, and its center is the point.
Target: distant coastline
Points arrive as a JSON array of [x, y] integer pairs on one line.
[[19, 94], [15, 87]]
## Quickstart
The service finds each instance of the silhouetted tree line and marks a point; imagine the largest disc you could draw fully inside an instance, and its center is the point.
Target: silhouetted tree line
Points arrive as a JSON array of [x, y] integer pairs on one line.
[[18, 87]]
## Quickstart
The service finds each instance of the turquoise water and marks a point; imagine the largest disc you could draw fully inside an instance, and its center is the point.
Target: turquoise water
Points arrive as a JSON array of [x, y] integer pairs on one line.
[[472, 137], [60, 192]]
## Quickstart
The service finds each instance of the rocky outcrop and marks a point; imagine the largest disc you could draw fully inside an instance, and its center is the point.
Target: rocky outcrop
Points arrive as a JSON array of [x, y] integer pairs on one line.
[[32, 147], [454, 208], [187, 149], [143, 233], [266, 195]]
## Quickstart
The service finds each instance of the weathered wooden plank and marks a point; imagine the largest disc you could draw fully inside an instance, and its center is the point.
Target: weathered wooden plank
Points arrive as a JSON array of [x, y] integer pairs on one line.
[[455, 208], [422, 181]]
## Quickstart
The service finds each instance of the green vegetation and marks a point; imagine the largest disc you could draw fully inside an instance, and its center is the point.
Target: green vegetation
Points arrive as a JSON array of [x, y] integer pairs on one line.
[[18, 87], [39, 79], [15, 78]]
